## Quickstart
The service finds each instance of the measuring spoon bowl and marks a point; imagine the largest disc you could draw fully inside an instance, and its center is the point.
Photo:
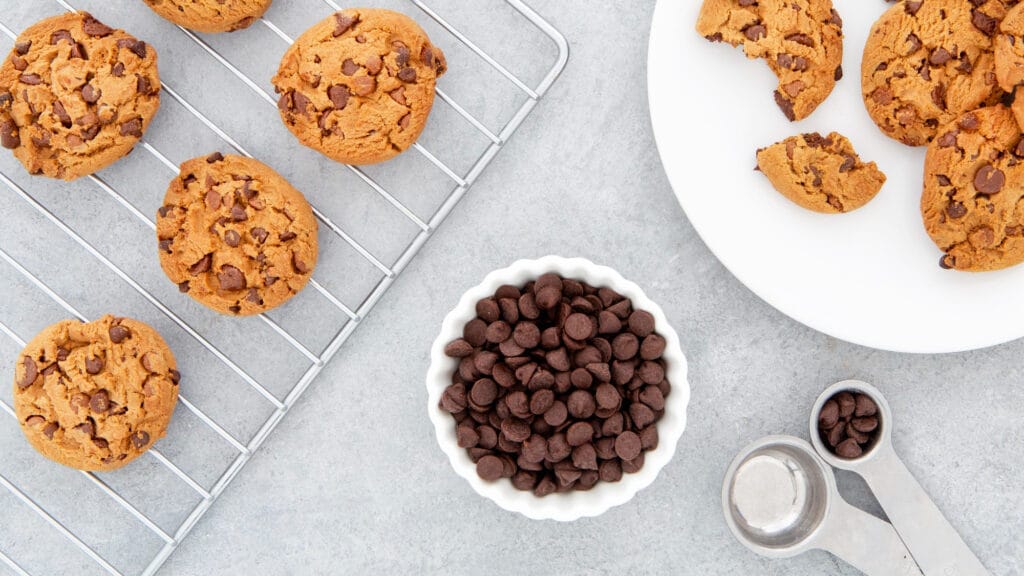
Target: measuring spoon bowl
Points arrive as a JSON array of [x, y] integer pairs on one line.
[[936, 547], [780, 500]]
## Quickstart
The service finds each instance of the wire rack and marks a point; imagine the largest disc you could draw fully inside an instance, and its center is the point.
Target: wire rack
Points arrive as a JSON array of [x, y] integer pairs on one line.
[[229, 406]]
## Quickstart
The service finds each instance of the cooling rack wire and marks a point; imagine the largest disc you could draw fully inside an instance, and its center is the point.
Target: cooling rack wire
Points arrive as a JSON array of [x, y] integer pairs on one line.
[[202, 494]]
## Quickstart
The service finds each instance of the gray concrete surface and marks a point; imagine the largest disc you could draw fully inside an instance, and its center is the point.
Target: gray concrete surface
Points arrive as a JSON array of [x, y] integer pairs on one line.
[[353, 482]]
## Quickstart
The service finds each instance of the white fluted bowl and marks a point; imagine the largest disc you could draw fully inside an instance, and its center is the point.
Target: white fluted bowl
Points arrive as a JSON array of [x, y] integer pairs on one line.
[[572, 505]]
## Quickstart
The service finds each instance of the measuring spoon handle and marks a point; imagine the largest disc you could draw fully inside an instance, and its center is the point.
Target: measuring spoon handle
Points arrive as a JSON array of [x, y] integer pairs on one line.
[[866, 543], [937, 547]]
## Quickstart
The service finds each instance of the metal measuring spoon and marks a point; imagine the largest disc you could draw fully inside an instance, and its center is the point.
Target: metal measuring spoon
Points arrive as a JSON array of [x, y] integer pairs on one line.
[[935, 545], [780, 500]]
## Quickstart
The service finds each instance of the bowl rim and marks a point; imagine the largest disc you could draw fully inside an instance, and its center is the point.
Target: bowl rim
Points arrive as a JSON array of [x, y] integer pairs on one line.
[[572, 505]]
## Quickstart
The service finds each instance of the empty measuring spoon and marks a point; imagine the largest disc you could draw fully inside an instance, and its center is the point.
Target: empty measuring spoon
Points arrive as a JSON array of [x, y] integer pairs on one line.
[[780, 500], [933, 542]]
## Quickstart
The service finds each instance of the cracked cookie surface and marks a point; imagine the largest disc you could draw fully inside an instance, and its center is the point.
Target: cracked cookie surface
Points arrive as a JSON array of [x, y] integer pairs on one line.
[[76, 95], [235, 235], [94, 396], [801, 40], [210, 16], [973, 198], [1009, 49], [927, 62], [820, 174], [359, 85]]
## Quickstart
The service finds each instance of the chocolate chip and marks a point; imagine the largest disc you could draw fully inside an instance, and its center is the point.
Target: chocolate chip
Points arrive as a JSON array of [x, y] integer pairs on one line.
[[343, 23], [100, 401], [349, 68], [785, 105], [90, 94], [61, 35], [118, 333], [94, 27], [231, 278], [203, 265], [407, 75], [93, 365], [9, 135], [401, 53], [755, 32], [339, 96], [31, 372], [849, 449], [132, 127], [22, 48], [983, 22], [136, 47], [118, 70], [101, 443], [627, 445], [140, 439], [398, 95], [989, 180]]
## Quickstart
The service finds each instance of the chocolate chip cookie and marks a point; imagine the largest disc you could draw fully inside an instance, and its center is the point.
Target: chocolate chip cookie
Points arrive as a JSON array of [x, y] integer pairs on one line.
[[820, 174], [926, 63], [210, 15], [973, 199], [801, 40], [359, 85], [94, 396], [235, 235], [1009, 49], [76, 95]]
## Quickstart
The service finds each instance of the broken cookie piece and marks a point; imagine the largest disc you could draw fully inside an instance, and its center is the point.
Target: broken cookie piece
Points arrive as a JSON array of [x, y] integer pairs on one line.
[[801, 40], [823, 174]]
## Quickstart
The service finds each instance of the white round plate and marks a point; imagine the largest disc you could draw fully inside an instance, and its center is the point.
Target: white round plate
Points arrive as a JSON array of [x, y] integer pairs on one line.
[[871, 277]]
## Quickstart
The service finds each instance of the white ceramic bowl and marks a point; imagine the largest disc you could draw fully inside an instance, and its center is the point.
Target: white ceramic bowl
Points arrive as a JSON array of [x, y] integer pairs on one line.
[[577, 504]]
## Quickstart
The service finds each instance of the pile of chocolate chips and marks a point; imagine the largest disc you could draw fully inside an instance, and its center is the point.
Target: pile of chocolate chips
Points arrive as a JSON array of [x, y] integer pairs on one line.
[[848, 424], [560, 385]]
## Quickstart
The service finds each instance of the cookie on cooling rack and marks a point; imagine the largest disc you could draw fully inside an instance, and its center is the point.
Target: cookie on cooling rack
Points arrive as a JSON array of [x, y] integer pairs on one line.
[[94, 396], [823, 174], [802, 44], [359, 85], [973, 198], [926, 63], [210, 15], [235, 235], [76, 95]]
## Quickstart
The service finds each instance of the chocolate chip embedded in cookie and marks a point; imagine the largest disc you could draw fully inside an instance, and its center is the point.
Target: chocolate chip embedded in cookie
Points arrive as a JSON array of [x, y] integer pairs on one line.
[[76, 95], [94, 396], [973, 199], [1009, 49], [801, 40], [210, 15], [926, 63], [235, 235], [359, 85], [820, 174]]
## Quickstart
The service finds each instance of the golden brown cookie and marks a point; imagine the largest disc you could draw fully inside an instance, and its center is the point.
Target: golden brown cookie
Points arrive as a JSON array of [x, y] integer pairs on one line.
[[926, 63], [973, 199], [1009, 49], [820, 174], [210, 15], [94, 396], [76, 95], [235, 235], [801, 40], [359, 85]]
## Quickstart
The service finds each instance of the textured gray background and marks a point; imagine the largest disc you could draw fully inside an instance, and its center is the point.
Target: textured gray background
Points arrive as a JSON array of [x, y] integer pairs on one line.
[[354, 482]]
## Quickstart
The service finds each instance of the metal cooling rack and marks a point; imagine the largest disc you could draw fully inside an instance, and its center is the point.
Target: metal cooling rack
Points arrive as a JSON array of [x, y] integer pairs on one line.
[[105, 490]]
